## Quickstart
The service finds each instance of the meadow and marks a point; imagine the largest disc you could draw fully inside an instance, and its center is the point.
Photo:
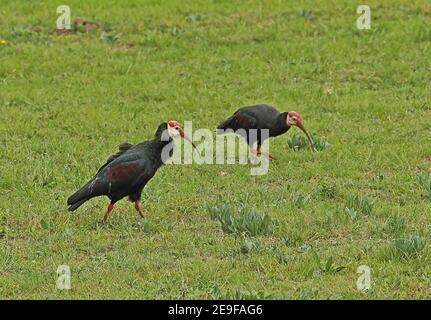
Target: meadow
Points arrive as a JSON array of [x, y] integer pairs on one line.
[[214, 231]]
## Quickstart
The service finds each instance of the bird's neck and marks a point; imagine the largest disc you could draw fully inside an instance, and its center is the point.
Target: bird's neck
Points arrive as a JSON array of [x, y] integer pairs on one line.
[[281, 122], [280, 126], [164, 149]]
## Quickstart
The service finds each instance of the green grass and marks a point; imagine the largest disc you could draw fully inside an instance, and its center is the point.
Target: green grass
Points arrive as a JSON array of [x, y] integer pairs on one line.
[[298, 142], [247, 221], [68, 100]]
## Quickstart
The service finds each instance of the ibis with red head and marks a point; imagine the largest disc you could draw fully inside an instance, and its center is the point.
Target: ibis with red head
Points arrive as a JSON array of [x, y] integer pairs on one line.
[[260, 117], [128, 171]]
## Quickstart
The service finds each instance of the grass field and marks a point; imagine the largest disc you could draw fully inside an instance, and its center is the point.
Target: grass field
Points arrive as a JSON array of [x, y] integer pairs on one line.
[[68, 100]]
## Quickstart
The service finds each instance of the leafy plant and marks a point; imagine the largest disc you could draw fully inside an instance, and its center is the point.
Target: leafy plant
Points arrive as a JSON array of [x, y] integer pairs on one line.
[[45, 224], [408, 247], [194, 17], [306, 13], [247, 220], [352, 213], [111, 37], [328, 190], [145, 225], [219, 209], [250, 244], [425, 181], [239, 294], [172, 30], [356, 203], [308, 293], [299, 199], [396, 226], [327, 267], [319, 143], [22, 31], [299, 141]]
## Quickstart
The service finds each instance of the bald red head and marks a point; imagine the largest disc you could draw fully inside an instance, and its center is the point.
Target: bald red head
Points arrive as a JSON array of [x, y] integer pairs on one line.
[[294, 119], [175, 129], [174, 123], [293, 114]]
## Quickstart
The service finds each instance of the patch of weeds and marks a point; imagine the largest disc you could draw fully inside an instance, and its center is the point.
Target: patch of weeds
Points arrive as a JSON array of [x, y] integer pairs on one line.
[[173, 31], [194, 17], [308, 14], [379, 177], [298, 141], [396, 226], [408, 247], [249, 295], [299, 199], [352, 213], [425, 182], [239, 294], [356, 204], [218, 210], [45, 224], [100, 261], [304, 248], [110, 37], [247, 221], [249, 245], [308, 293], [282, 258], [319, 143], [146, 226], [326, 267], [293, 240], [328, 189], [23, 31]]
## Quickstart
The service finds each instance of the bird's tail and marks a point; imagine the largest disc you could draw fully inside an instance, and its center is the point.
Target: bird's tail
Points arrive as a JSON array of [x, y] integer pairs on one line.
[[76, 205], [226, 124], [80, 196]]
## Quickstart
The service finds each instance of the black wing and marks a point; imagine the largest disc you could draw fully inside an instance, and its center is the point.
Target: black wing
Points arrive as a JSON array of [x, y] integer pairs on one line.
[[122, 148], [239, 120]]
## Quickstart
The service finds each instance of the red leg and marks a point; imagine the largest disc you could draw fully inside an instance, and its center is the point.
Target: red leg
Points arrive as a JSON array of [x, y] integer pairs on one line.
[[139, 209], [258, 153], [105, 217]]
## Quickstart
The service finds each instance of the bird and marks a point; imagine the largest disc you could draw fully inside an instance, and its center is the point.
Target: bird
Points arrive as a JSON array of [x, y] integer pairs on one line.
[[257, 118], [128, 171]]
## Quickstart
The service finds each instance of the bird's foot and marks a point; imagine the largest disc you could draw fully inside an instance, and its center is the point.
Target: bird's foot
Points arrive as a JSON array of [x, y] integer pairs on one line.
[[139, 209], [267, 155], [105, 216]]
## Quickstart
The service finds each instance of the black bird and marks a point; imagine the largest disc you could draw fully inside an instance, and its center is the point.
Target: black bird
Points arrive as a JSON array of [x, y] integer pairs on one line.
[[127, 172], [257, 118]]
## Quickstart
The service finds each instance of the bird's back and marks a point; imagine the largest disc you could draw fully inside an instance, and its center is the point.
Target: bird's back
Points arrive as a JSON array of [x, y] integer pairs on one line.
[[124, 173], [265, 115], [136, 165]]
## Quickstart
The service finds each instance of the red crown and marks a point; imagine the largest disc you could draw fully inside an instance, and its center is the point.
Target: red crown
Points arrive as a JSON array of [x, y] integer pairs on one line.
[[294, 114], [173, 123]]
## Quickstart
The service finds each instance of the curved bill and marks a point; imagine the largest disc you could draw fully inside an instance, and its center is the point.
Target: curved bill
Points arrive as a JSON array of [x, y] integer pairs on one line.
[[183, 135], [300, 126]]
